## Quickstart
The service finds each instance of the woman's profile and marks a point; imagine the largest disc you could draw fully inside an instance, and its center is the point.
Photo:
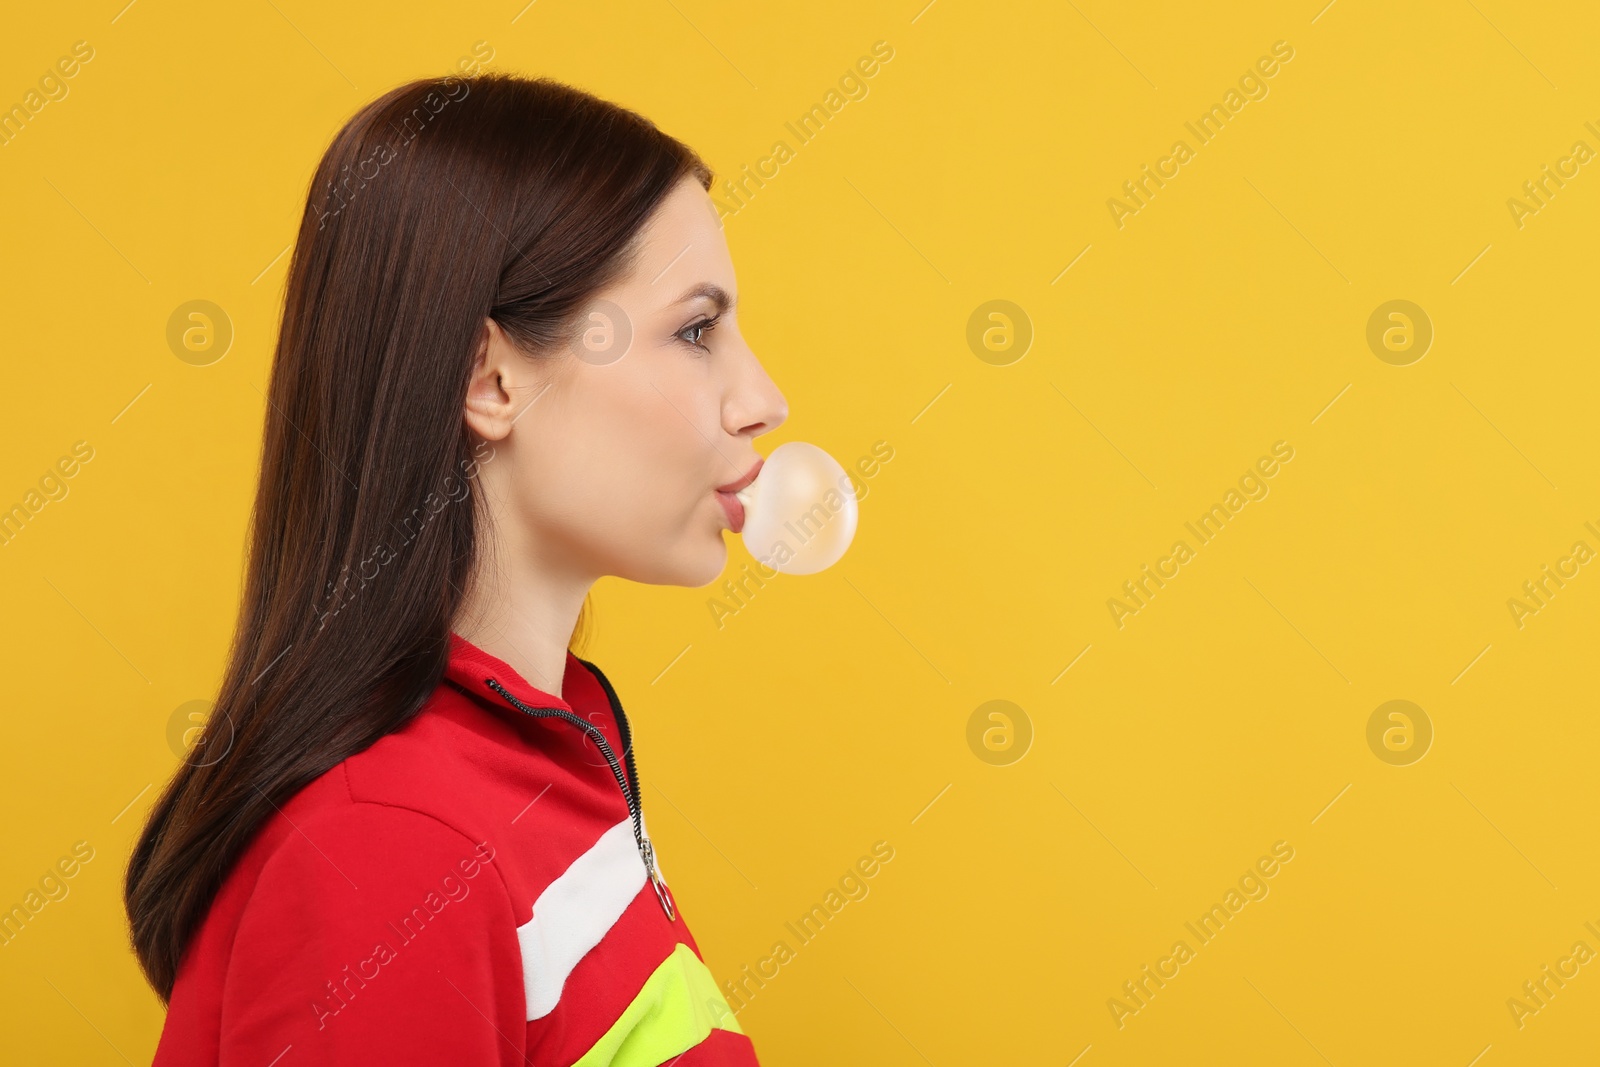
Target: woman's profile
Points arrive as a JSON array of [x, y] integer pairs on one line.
[[412, 830]]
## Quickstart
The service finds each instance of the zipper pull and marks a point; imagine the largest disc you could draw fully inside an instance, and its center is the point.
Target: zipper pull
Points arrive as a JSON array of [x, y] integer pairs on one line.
[[648, 853]]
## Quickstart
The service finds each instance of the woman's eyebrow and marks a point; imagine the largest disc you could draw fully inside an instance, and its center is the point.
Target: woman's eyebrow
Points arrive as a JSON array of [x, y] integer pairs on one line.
[[715, 293]]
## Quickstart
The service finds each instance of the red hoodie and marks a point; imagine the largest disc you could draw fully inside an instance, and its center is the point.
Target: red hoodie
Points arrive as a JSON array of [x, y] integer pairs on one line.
[[475, 888]]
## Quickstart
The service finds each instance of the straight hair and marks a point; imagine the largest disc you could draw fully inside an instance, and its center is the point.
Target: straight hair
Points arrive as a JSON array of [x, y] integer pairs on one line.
[[443, 203]]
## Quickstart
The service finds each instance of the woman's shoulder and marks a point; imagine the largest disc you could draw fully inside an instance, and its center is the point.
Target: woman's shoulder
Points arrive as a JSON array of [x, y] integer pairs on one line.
[[332, 853], [455, 782], [334, 892], [417, 798], [458, 786]]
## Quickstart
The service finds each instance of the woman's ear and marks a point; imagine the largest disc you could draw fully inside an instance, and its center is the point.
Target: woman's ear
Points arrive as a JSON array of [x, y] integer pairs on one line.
[[502, 386]]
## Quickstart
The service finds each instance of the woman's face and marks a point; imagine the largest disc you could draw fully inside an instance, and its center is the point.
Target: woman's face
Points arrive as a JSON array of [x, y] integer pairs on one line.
[[608, 453]]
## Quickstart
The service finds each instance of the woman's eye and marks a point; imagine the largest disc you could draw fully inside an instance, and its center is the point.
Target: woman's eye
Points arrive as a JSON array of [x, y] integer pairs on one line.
[[693, 334]]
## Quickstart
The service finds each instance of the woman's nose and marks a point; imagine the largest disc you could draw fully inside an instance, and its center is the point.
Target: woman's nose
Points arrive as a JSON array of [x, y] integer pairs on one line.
[[758, 406]]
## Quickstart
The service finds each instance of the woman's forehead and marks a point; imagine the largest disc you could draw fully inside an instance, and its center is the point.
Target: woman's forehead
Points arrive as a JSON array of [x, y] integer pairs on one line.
[[683, 254]]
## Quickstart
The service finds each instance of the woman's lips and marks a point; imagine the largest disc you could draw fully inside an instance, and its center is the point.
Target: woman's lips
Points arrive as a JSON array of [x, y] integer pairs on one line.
[[749, 476], [734, 507], [727, 495]]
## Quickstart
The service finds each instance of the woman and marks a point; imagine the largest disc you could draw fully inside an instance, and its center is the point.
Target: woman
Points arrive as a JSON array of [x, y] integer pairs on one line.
[[412, 832]]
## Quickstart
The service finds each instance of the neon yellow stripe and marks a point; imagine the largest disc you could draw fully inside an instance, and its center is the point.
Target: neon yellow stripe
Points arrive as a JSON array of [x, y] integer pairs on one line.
[[677, 1008]]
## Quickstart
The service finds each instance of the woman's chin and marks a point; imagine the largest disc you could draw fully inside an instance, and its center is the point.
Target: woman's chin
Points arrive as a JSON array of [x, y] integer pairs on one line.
[[714, 562], [694, 566]]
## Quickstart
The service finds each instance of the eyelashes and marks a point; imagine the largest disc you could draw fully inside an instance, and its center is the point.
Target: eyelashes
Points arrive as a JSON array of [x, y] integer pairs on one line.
[[699, 328]]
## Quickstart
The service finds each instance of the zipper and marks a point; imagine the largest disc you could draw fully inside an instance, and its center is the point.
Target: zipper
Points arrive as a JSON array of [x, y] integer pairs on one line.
[[635, 808]]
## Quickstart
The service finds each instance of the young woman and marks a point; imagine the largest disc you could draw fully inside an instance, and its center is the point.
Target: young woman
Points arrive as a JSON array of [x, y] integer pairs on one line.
[[412, 832]]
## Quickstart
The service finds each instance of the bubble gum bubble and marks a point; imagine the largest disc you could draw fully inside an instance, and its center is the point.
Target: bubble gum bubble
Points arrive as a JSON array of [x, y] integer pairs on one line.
[[801, 511]]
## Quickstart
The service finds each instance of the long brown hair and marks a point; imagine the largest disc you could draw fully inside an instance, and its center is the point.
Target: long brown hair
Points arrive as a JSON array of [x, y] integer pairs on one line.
[[444, 202]]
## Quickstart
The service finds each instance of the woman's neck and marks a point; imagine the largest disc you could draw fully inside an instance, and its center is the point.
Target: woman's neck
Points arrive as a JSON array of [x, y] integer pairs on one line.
[[524, 615]]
